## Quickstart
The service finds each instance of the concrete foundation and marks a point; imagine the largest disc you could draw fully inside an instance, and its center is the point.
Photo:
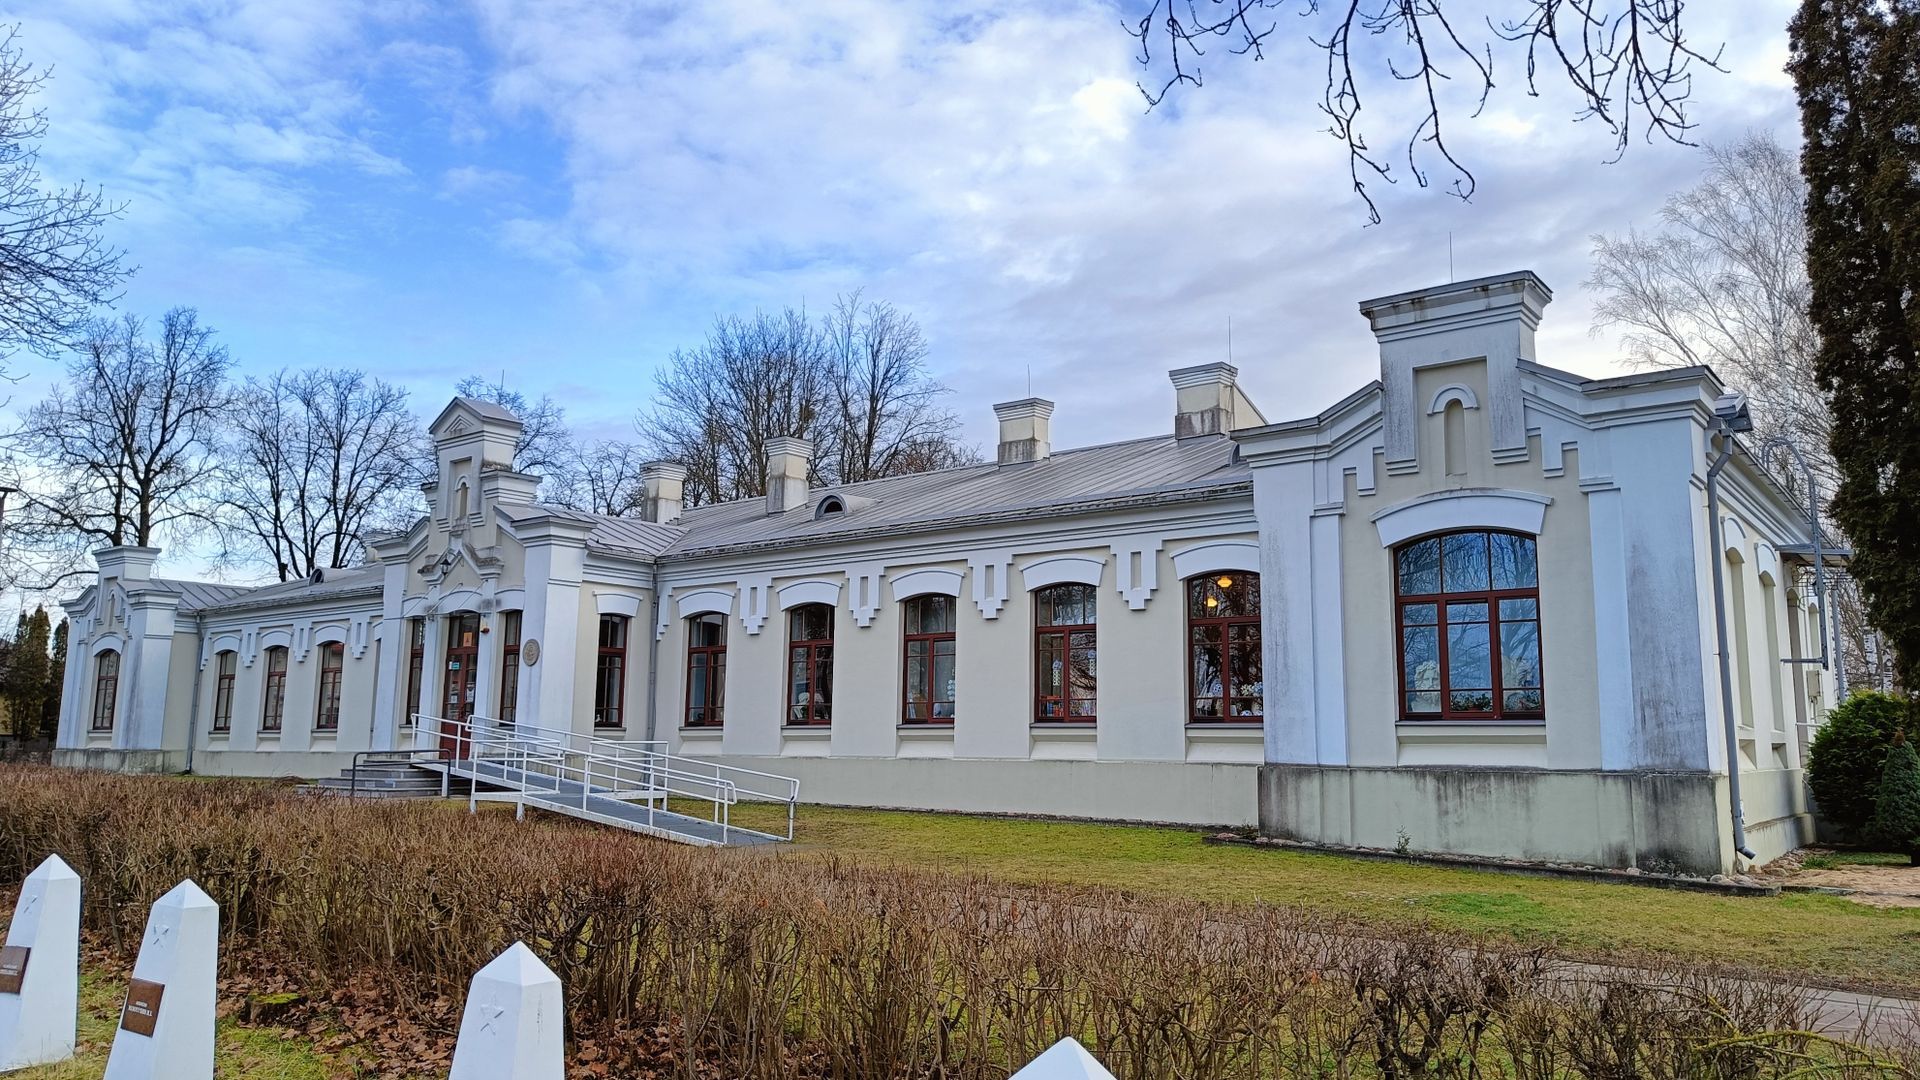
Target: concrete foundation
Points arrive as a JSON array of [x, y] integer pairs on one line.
[[127, 761], [1663, 821]]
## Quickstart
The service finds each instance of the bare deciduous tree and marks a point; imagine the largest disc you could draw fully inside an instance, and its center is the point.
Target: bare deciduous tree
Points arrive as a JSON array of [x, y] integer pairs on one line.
[[1723, 282], [54, 266], [856, 384], [716, 405], [602, 478], [318, 459], [1629, 64], [123, 452], [887, 412], [545, 442]]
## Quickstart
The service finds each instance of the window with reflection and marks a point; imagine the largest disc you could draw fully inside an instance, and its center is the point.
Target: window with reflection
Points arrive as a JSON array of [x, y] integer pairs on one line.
[[225, 669], [1064, 654], [706, 670], [416, 666], [928, 685], [509, 666], [106, 686], [333, 662], [610, 673], [810, 664], [1224, 675], [273, 704], [1469, 614]]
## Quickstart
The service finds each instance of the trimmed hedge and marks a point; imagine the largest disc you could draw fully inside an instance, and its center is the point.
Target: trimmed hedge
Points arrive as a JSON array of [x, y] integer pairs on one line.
[[1847, 756]]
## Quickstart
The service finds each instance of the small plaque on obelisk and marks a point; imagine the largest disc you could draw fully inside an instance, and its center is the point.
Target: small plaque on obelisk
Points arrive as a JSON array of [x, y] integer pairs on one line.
[[13, 968], [143, 1006]]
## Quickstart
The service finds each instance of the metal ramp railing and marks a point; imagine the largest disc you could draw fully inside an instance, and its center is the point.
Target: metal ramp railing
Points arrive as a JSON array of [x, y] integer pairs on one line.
[[623, 784]]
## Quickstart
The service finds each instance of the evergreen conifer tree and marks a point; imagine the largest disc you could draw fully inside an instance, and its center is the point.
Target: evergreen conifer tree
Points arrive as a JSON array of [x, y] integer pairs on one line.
[[56, 683], [1859, 89], [25, 682], [1896, 802]]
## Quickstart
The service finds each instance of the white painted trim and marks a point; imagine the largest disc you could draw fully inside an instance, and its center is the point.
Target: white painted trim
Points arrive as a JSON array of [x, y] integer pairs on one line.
[[1136, 588], [606, 603], [459, 600], [1216, 555], [1466, 508], [811, 591], [1062, 570], [1447, 395], [914, 583], [705, 601], [217, 645], [108, 641], [990, 570]]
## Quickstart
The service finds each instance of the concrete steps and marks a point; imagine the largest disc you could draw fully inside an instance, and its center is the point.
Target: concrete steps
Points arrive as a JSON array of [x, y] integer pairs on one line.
[[381, 778]]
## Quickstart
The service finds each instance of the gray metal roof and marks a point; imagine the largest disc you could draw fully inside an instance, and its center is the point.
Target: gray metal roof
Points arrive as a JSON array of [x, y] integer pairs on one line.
[[197, 595], [1085, 479], [629, 537]]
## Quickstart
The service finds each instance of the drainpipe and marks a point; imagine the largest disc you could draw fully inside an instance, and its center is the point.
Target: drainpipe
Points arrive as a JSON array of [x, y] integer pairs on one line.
[[653, 662], [193, 709], [1725, 423]]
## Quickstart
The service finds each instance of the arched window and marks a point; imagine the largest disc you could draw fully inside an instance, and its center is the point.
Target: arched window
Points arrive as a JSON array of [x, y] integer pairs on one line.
[[610, 673], [273, 705], [706, 670], [1469, 614], [929, 686], [810, 664], [1224, 671], [106, 686], [1064, 654], [225, 668], [333, 662]]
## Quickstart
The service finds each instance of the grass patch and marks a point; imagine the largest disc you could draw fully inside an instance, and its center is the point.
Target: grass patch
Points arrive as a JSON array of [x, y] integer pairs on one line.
[[239, 1053], [1833, 860], [1828, 938]]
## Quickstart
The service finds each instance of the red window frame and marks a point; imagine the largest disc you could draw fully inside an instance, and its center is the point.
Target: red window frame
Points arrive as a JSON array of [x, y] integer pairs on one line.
[[706, 666], [416, 668], [273, 703], [1442, 601], [106, 687], [509, 666], [809, 668], [1198, 590], [333, 664], [932, 642], [225, 671], [610, 673], [1063, 644]]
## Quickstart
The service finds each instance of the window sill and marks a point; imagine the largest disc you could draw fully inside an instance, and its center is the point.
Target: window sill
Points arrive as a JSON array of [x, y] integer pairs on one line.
[[220, 736], [806, 731], [712, 731], [1043, 729], [926, 731], [1474, 730], [268, 736], [1235, 730]]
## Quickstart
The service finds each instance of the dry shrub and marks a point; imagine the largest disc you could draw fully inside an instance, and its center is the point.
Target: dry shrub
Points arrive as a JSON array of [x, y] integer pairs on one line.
[[767, 966]]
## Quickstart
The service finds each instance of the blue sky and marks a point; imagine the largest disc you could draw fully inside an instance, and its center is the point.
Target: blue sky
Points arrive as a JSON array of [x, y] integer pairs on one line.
[[566, 191]]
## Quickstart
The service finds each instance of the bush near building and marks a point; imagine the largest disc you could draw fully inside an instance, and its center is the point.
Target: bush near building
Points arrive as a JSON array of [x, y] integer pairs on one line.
[[685, 962], [1896, 808], [1849, 752]]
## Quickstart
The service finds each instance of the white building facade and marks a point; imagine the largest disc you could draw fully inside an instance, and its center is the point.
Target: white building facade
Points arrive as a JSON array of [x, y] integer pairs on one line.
[[1467, 609]]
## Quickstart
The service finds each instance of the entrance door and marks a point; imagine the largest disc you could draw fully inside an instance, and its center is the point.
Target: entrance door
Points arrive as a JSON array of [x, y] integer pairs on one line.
[[463, 671]]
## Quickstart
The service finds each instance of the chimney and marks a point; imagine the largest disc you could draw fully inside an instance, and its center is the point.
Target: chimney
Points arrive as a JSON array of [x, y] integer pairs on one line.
[[1489, 320], [662, 491], [126, 562], [787, 461], [1207, 400], [1024, 429]]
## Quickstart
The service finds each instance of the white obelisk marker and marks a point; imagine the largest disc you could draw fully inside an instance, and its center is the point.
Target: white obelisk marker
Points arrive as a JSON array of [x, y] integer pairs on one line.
[[1064, 1060], [514, 1026], [166, 1028], [40, 969]]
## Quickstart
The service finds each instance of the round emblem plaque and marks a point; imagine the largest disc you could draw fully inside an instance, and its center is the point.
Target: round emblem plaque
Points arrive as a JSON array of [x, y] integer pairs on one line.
[[530, 652]]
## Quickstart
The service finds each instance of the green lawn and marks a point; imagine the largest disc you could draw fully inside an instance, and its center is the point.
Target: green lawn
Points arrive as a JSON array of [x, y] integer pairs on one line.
[[1811, 936], [240, 1053]]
